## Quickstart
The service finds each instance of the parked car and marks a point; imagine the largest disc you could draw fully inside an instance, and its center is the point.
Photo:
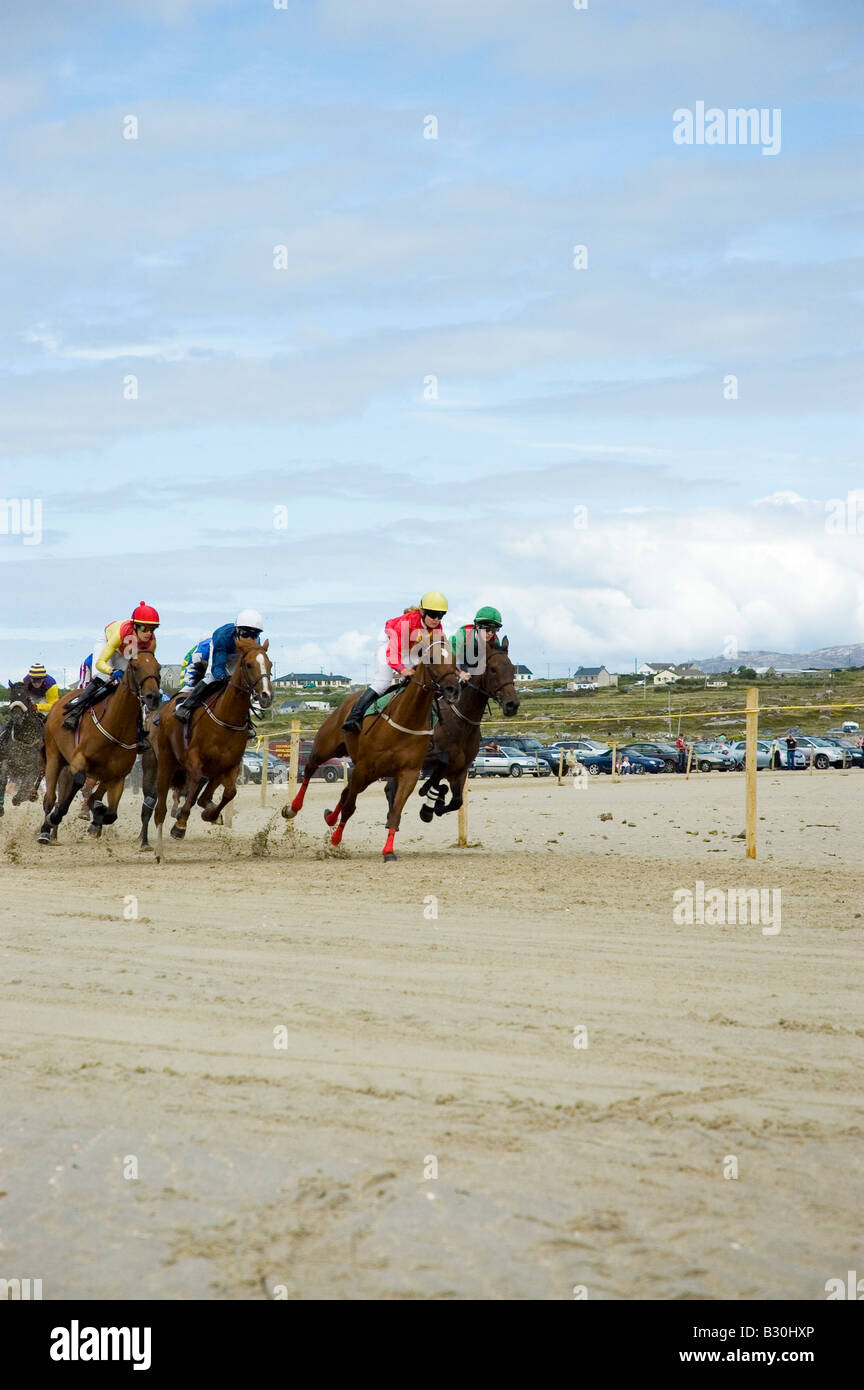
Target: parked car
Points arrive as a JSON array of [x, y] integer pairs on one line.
[[508, 762], [527, 744], [712, 756], [821, 750], [250, 770], [854, 753], [666, 752], [331, 771], [763, 753], [595, 763], [575, 745]]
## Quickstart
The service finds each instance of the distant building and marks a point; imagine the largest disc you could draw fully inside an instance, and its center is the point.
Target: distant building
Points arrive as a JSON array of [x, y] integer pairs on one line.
[[310, 680], [523, 674], [171, 677], [664, 674], [689, 671], [591, 677]]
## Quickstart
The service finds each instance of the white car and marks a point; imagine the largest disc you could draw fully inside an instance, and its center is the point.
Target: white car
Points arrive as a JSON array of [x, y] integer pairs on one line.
[[507, 762]]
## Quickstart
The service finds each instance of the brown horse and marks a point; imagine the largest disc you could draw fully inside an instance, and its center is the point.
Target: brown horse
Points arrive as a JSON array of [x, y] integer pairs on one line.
[[456, 739], [208, 753], [392, 744], [102, 749]]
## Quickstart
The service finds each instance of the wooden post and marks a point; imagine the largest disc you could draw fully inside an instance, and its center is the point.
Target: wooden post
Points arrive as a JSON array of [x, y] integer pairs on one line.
[[689, 760], [463, 818], [812, 758], [295, 756], [265, 768], [612, 774], [750, 766], [560, 766]]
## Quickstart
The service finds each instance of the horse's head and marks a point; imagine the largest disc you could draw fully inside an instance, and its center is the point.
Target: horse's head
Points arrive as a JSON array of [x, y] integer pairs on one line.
[[499, 678], [20, 702], [436, 656], [143, 677], [255, 670]]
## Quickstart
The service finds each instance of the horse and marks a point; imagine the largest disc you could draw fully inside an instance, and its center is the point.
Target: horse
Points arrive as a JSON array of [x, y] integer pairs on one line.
[[391, 744], [19, 753], [456, 738], [101, 750], [209, 752]]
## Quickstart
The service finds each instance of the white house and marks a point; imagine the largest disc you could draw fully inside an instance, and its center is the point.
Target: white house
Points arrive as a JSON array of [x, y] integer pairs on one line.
[[591, 677], [523, 674]]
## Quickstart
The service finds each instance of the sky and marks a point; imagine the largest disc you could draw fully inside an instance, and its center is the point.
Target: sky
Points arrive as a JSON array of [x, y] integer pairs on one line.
[[265, 343]]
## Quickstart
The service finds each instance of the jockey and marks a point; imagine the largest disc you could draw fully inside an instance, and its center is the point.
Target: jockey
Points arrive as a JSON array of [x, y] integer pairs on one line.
[[42, 688], [123, 640], [398, 652], [472, 640], [221, 661], [195, 664]]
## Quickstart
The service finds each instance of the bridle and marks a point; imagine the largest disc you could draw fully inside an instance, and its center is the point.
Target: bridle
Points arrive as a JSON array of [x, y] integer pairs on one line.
[[244, 688], [489, 694]]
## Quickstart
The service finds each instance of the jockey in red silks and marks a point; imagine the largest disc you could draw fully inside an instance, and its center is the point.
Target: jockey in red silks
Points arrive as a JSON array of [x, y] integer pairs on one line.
[[123, 640], [399, 652]]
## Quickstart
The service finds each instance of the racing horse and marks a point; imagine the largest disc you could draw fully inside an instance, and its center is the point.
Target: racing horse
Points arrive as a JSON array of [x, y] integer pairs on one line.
[[456, 739], [20, 760], [393, 743], [208, 752], [102, 749]]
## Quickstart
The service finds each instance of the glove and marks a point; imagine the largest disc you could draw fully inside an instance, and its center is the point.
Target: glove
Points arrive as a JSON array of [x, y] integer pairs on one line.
[[117, 675]]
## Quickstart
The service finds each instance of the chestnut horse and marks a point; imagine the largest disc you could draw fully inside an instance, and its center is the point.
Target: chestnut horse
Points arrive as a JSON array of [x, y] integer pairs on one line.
[[456, 739], [391, 744], [208, 753], [102, 749]]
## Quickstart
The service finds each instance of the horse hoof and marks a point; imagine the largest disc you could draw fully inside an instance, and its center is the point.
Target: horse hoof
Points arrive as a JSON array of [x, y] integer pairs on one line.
[[177, 832], [95, 831], [145, 849], [2, 812], [288, 812], [44, 838], [390, 858], [426, 813]]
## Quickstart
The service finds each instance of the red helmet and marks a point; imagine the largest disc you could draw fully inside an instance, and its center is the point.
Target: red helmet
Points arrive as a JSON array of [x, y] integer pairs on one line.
[[145, 614]]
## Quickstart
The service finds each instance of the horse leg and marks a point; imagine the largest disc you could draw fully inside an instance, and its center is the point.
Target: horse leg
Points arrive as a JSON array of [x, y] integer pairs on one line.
[[149, 773], [229, 791], [68, 785], [52, 773], [204, 794], [405, 784], [194, 782], [91, 789], [345, 807], [4, 777], [329, 743], [106, 815], [167, 766], [457, 787]]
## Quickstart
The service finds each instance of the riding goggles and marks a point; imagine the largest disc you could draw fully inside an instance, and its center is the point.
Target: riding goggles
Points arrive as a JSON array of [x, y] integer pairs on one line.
[[434, 613], [253, 632]]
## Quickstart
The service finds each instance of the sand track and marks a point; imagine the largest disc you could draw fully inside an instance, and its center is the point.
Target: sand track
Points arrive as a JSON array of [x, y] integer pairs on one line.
[[300, 1168]]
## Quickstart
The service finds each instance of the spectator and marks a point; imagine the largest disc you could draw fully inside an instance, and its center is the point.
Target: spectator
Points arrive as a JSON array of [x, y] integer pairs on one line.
[[570, 760], [791, 745], [682, 753], [625, 765]]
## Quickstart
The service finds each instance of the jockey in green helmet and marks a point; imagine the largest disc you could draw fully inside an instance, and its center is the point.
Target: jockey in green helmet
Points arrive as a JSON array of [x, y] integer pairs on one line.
[[472, 639]]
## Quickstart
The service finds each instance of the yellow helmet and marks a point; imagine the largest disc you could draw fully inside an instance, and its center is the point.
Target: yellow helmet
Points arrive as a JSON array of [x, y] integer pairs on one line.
[[433, 602]]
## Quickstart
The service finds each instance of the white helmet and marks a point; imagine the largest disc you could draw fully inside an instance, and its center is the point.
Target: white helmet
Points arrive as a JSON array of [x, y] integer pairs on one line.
[[249, 618]]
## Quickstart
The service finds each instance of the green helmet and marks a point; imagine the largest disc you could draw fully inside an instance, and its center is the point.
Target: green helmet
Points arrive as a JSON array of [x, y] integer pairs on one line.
[[488, 615]]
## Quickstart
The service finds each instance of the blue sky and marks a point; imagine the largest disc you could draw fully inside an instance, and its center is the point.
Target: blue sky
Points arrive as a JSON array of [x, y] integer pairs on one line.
[[409, 258]]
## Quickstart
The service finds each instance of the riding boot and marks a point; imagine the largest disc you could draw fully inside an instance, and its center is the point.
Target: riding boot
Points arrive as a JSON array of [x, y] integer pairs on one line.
[[354, 723], [185, 708], [91, 695]]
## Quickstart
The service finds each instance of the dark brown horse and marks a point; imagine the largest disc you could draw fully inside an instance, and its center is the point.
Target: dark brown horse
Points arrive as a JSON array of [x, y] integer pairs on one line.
[[20, 748], [391, 744], [456, 739], [101, 750], [207, 753]]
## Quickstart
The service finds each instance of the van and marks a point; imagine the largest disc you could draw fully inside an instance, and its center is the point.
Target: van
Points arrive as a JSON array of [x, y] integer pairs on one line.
[[850, 727]]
